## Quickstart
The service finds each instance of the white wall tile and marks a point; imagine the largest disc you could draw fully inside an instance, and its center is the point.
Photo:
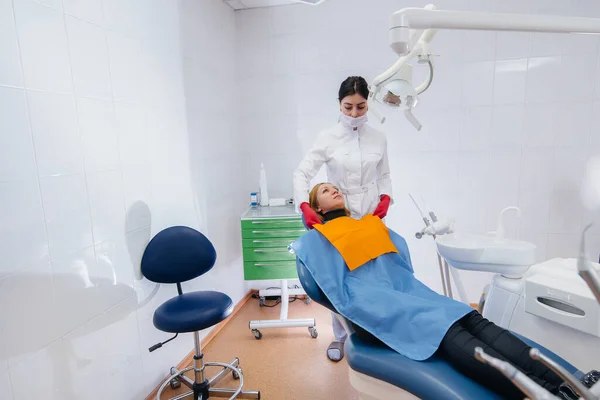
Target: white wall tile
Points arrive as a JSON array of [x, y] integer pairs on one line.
[[512, 45], [568, 168], [510, 81], [86, 348], [132, 132], [595, 131], [478, 83], [88, 10], [126, 76], [537, 170], [22, 216], [17, 158], [89, 59], [10, 68], [476, 125], [541, 124], [578, 73], [541, 79], [507, 126], [22, 337], [479, 46], [53, 386], [55, 4], [98, 134], [67, 211], [563, 245], [574, 122], [565, 212], [107, 205], [546, 44], [43, 41], [5, 386], [55, 134]]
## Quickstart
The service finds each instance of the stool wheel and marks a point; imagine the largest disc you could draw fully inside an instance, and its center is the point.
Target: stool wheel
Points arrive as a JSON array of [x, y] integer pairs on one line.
[[235, 375], [257, 334], [175, 383], [313, 332], [261, 302]]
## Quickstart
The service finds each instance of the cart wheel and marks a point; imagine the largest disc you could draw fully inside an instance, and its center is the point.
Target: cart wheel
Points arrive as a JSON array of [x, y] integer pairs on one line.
[[257, 334], [235, 375], [307, 300], [261, 302], [313, 332]]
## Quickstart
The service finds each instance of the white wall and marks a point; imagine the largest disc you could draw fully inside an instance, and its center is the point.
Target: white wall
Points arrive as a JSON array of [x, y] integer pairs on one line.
[[509, 120], [113, 126]]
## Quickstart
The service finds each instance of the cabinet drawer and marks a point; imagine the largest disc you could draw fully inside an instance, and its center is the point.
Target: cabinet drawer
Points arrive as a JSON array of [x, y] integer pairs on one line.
[[270, 270], [273, 223], [260, 233], [262, 243], [268, 254]]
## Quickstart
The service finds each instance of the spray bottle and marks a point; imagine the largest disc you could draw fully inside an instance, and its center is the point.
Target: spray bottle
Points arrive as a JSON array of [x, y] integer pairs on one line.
[[264, 196]]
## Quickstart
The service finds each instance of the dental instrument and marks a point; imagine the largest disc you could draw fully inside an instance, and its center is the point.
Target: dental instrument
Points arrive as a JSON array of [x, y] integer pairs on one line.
[[586, 270], [519, 379], [413, 29]]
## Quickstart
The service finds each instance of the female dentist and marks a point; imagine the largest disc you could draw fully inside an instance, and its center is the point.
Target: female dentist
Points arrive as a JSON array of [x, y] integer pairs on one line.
[[355, 155]]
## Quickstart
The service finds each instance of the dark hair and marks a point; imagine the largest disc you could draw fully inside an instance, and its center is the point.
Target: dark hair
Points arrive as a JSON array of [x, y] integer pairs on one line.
[[353, 85]]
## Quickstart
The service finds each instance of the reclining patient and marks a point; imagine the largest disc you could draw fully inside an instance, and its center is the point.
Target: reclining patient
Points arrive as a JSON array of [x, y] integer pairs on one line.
[[370, 281]]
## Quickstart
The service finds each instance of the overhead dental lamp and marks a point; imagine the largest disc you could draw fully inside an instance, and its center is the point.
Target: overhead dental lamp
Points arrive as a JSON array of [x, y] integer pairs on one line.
[[413, 29]]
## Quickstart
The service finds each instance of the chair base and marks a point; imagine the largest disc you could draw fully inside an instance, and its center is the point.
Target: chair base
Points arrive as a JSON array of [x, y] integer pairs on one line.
[[205, 390], [369, 388]]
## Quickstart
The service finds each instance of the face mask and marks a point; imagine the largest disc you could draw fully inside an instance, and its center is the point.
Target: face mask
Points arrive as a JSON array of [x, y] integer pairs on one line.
[[352, 123]]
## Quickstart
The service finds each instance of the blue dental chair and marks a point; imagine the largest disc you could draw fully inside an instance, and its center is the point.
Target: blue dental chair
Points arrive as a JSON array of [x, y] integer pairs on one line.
[[175, 255], [378, 372]]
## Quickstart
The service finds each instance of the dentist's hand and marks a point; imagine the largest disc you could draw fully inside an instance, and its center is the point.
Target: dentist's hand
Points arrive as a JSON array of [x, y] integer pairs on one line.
[[382, 208], [310, 216]]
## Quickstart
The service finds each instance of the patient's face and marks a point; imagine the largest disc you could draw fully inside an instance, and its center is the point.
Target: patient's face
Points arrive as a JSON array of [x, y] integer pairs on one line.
[[329, 198]]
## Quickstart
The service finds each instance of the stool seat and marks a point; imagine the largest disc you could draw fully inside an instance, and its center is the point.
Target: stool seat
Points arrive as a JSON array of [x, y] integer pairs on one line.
[[192, 312]]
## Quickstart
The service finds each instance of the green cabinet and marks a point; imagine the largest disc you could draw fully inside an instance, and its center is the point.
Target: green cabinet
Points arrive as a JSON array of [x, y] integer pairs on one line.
[[266, 234]]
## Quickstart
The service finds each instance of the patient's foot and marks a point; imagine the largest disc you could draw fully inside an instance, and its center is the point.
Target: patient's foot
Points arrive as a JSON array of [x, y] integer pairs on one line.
[[335, 351]]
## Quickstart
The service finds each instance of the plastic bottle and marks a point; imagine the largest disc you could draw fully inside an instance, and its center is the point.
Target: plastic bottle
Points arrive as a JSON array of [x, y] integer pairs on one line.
[[264, 196]]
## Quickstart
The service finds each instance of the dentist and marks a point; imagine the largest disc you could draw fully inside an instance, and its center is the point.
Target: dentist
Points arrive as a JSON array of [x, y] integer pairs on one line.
[[356, 160]]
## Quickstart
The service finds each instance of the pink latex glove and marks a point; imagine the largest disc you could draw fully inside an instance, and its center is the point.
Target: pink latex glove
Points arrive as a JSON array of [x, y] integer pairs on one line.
[[382, 208], [310, 216]]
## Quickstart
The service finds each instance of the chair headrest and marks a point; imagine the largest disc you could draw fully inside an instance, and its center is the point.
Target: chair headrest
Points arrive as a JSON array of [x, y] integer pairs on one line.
[[178, 254]]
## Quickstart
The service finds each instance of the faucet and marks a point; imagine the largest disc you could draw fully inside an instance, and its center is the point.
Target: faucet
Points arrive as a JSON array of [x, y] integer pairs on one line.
[[500, 228]]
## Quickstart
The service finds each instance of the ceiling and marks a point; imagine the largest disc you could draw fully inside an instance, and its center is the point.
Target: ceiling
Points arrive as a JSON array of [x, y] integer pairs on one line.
[[246, 4]]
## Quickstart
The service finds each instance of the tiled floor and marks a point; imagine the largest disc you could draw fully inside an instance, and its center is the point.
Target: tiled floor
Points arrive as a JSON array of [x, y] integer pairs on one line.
[[286, 364]]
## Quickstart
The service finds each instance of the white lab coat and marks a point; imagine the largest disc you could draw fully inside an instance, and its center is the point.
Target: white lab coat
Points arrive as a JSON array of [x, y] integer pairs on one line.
[[356, 162]]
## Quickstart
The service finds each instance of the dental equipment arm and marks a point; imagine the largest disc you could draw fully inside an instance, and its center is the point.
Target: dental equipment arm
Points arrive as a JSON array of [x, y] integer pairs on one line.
[[586, 271], [573, 382], [522, 381]]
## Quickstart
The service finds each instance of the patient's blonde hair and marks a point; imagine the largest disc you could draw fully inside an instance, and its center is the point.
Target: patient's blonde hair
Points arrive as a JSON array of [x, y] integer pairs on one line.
[[314, 203]]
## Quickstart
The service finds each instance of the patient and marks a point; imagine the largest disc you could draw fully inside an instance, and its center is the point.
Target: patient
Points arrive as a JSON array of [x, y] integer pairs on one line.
[[460, 329]]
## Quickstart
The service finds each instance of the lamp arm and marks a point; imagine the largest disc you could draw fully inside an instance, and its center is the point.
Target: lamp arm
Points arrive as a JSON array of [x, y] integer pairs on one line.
[[422, 18], [425, 85]]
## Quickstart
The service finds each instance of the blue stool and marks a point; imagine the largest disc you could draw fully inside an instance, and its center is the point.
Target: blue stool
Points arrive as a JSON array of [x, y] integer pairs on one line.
[[175, 255]]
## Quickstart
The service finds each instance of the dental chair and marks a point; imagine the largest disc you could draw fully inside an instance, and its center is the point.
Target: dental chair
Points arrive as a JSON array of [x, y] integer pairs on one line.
[[175, 255], [378, 372]]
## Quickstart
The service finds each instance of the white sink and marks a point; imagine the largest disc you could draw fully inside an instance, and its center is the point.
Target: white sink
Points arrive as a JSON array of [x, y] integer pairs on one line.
[[510, 258]]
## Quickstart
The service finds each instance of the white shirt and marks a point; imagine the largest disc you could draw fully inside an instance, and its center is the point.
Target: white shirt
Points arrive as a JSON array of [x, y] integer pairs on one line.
[[356, 162]]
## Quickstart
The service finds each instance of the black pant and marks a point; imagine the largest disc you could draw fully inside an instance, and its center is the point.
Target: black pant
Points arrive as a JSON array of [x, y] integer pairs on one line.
[[458, 348]]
